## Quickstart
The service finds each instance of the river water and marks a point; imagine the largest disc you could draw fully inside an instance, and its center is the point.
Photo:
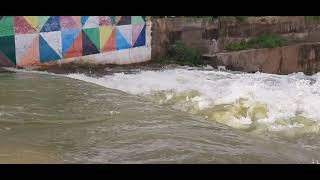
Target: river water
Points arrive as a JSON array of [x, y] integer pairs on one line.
[[179, 115]]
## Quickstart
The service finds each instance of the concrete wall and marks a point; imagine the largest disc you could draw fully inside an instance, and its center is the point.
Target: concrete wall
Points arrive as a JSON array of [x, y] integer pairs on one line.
[[282, 60], [35, 40], [194, 32], [212, 36], [295, 28]]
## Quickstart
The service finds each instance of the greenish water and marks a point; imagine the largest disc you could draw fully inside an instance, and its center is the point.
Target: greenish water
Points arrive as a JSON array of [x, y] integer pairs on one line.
[[54, 119]]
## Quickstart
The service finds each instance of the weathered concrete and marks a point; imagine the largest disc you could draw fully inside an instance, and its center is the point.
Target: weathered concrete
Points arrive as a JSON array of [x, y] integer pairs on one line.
[[212, 36], [282, 60], [296, 29], [254, 26], [194, 32]]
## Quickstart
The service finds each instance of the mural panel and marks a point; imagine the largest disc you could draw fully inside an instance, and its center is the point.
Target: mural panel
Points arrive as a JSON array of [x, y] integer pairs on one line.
[[30, 40]]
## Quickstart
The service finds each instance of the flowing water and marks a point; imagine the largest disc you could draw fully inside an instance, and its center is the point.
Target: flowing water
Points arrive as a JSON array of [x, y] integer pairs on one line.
[[179, 115]]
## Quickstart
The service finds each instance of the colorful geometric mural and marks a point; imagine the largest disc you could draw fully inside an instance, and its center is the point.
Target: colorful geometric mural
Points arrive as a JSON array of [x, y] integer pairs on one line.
[[124, 37], [107, 38], [31, 40]]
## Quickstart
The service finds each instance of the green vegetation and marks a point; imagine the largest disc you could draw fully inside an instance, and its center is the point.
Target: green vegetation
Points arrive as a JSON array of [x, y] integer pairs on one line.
[[236, 18], [182, 55], [312, 18], [241, 18], [206, 17], [262, 41]]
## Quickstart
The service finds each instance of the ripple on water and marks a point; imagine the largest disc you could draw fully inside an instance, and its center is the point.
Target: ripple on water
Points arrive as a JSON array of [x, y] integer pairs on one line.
[[167, 116]]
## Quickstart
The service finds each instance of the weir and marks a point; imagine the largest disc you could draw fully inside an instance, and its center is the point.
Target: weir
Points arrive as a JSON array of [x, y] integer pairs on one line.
[[72, 99]]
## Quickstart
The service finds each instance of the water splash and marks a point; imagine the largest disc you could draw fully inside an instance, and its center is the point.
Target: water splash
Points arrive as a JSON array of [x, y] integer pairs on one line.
[[255, 102]]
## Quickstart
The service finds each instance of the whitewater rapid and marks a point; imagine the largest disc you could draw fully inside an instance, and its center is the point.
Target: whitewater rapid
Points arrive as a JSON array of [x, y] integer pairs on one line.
[[259, 101], [256, 102]]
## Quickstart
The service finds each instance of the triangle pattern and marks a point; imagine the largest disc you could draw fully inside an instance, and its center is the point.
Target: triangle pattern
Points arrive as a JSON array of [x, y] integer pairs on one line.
[[52, 24], [91, 22], [136, 30], [69, 22], [54, 40], [124, 20], [105, 20], [23, 43], [68, 38], [41, 21], [46, 52], [87, 46], [76, 49], [94, 35], [31, 56], [22, 26], [105, 32], [126, 31], [8, 48], [113, 19], [84, 20], [32, 20], [121, 41], [141, 40], [110, 45], [137, 20], [4, 60], [77, 20], [6, 26]]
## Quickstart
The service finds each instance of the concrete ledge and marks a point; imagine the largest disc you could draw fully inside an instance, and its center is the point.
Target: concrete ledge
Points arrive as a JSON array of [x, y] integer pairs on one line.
[[3, 70]]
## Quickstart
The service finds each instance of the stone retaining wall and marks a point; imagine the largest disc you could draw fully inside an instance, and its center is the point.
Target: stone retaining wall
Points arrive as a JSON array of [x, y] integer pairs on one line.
[[283, 60], [212, 36]]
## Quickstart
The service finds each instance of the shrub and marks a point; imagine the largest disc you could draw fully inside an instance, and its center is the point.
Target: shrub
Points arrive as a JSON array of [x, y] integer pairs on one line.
[[262, 41], [182, 55], [312, 18], [241, 18]]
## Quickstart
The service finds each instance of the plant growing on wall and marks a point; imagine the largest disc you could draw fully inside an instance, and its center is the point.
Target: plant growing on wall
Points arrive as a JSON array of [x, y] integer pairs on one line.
[[182, 55], [261, 41]]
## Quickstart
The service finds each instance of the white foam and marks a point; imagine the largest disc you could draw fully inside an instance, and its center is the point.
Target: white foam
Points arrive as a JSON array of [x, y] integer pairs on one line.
[[286, 96]]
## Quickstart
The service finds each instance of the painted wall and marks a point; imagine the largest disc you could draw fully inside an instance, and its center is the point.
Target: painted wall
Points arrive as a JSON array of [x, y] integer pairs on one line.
[[34, 40]]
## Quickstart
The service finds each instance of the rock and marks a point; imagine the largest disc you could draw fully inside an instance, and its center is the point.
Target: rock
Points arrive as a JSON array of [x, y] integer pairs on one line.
[[303, 57]]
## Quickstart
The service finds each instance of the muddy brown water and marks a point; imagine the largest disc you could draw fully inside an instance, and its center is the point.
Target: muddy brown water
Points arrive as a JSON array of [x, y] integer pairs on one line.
[[53, 119]]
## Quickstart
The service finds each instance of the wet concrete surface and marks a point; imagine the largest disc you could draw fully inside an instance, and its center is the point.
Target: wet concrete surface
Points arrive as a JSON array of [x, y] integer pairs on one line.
[[100, 70]]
